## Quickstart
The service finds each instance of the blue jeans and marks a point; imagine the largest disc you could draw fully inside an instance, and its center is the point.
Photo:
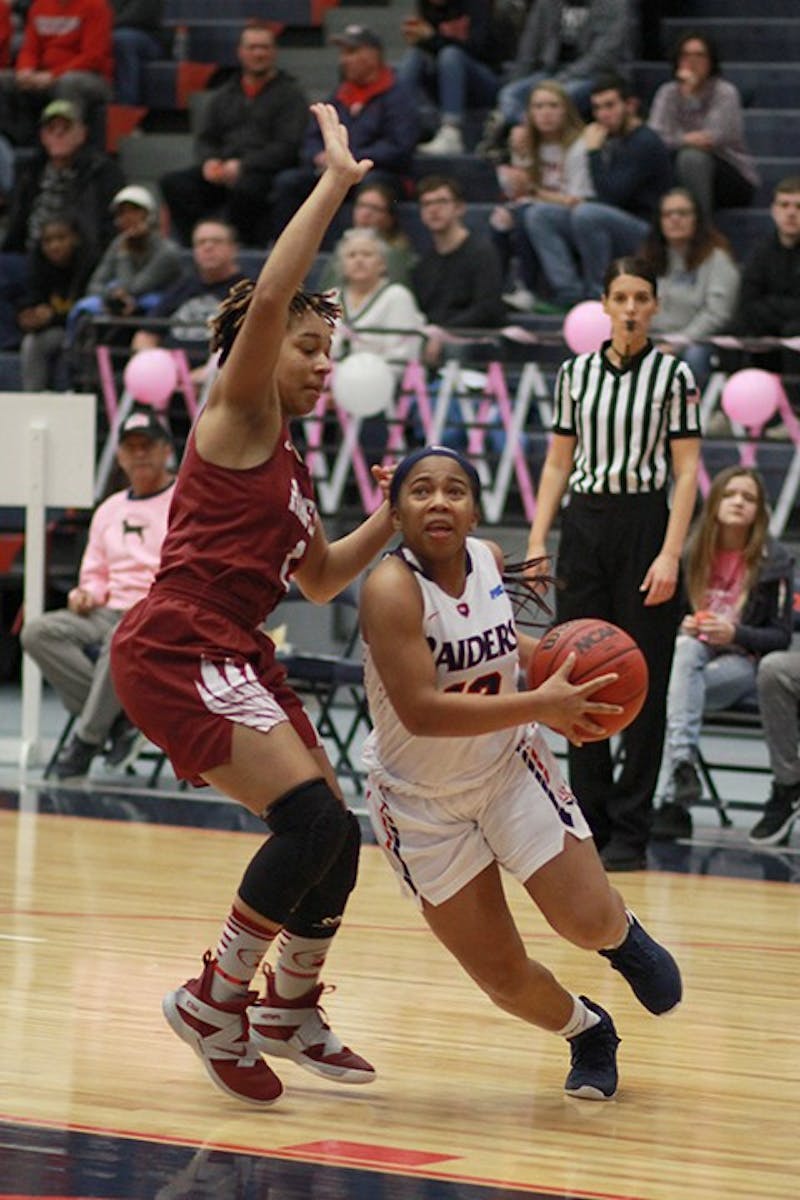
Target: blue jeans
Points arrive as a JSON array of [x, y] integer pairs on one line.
[[702, 678], [549, 227], [454, 77], [601, 233], [132, 49], [512, 99]]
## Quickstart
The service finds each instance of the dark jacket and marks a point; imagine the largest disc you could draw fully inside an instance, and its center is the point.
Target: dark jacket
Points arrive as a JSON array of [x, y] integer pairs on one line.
[[488, 38], [138, 14], [265, 131], [605, 42], [462, 289], [632, 171], [769, 298], [385, 129], [768, 615], [58, 286], [767, 619], [97, 181]]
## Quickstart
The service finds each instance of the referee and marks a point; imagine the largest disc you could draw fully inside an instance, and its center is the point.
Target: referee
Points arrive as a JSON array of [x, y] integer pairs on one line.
[[627, 425]]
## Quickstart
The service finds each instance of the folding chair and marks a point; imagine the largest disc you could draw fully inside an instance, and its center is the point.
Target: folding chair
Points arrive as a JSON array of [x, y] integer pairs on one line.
[[335, 682]]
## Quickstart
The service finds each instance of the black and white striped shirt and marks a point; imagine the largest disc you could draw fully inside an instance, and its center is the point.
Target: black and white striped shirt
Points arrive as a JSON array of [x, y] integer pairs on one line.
[[624, 419]]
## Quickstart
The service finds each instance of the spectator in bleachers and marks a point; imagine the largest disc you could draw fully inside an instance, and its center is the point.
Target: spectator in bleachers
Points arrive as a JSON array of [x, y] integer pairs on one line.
[[455, 55], [629, 169], [547, 177], [137, 38], [571, 43], [698, 280], [458, 282], [769, 301], [739, 585], [197, 294], [59, 269], [251, 129], [779, 703], [65, 55], [139, 264], [699, 116], [68, 176], [370, 301], [379, 113], [117, 568], [375, 207]]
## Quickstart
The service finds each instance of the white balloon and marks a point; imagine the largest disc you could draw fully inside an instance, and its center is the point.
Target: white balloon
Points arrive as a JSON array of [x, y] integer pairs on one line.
[[363, 384]]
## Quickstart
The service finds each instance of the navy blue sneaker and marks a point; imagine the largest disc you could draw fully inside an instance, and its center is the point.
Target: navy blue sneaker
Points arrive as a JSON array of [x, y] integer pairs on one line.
[[649, 968], [593, 1053]]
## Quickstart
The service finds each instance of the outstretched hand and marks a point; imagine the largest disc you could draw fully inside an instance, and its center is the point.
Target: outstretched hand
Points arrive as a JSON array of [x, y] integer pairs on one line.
[[568, 708], [338, 156]]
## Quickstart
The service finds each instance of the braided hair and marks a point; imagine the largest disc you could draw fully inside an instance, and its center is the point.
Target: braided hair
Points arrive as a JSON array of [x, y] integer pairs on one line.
[[228, 319], [528, 596]]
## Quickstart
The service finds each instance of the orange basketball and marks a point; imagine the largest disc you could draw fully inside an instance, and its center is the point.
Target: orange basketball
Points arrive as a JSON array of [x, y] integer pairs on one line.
[[599, 647]]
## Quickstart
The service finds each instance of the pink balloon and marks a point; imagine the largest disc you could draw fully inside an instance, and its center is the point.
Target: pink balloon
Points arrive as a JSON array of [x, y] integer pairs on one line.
[[751, 397], [586, 327], [151, 377]]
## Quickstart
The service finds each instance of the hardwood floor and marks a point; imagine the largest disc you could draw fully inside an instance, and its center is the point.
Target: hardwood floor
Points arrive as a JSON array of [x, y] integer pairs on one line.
[[99, 917]]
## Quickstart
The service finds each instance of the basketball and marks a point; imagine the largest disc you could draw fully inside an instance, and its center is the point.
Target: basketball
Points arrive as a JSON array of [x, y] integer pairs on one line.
[[600, 648]]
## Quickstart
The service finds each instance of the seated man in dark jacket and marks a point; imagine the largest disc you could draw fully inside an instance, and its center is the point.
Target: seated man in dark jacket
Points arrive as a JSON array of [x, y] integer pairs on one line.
[[458, 281], [67, 178], [380, 115], [769, 300], [253, 128]]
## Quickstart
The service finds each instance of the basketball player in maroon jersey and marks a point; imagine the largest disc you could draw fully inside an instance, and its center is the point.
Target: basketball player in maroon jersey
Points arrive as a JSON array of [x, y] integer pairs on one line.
[[195, 673]]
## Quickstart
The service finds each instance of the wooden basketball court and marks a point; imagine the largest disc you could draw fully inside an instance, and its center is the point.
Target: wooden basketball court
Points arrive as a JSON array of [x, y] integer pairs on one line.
[[100, 914]]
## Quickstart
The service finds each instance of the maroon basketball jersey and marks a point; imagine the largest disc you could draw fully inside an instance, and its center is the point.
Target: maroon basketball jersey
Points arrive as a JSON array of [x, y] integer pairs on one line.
[[235, 537]]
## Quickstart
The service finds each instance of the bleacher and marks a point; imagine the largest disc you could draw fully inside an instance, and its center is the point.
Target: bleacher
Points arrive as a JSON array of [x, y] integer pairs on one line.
[[759, 46]]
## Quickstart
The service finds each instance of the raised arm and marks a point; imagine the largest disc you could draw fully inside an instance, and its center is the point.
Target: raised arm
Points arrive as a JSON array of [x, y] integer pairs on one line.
[[243, 407], [552, 485]]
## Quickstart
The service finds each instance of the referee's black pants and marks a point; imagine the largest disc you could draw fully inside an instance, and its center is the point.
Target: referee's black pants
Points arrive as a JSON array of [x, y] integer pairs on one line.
[[607, 544]]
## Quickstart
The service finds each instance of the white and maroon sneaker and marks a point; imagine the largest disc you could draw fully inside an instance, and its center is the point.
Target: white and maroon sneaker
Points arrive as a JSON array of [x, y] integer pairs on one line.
[[219, 1034], [297, 1029]]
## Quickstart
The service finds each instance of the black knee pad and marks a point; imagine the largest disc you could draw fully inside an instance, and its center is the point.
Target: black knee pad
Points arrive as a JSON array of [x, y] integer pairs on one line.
[[319, 912], [309, 827]]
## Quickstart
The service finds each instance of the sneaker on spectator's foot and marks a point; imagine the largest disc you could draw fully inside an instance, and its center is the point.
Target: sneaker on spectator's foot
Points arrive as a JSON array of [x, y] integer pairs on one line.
[[125, 743], [649, 968], [447, 141], [297, 1029], [593, 1053], [219, 1034], [686, 786], [774, 827], [75, 759], [671, 821]]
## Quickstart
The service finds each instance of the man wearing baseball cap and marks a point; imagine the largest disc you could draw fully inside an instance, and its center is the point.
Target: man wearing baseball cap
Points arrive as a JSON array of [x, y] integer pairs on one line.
[[118, 565], [379, 113], [139, 264]]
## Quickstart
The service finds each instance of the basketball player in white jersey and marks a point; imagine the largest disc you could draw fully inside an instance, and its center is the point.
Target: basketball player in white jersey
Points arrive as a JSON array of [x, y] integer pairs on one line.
[[461, 781]]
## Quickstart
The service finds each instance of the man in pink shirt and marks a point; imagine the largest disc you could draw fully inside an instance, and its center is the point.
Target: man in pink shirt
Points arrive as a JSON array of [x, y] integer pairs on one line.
[[118, 565]]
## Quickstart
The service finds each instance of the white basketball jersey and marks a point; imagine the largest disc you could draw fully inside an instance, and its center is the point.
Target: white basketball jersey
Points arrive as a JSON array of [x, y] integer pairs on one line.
[[473, 640]]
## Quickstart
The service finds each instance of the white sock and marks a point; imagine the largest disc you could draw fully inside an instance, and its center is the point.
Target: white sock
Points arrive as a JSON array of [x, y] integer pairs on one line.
[[616, 945], [241, 947], [300, 961], [582, 1019]]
